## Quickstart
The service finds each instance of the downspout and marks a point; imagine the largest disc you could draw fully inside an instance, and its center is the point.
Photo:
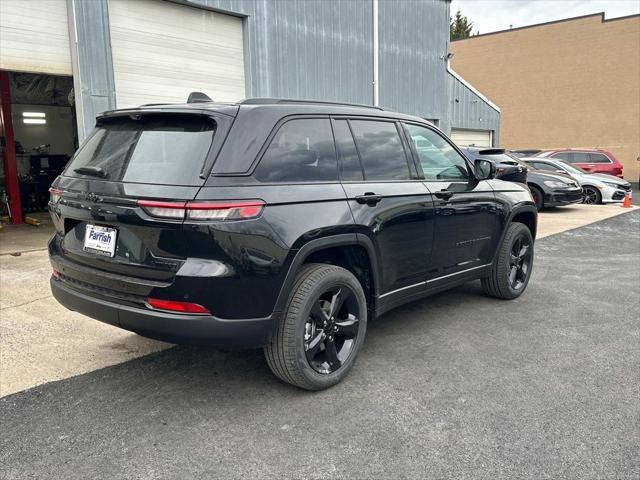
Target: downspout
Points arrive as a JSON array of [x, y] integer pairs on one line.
[[376, 68]]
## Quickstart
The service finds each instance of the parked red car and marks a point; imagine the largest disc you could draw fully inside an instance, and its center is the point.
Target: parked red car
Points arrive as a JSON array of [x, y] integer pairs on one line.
[[591, 160]]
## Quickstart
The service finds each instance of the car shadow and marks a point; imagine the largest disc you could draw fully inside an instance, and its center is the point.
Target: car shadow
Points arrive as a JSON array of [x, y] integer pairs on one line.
[[200, 372]]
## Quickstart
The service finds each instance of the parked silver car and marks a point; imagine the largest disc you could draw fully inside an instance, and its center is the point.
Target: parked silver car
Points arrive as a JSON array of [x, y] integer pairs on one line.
[[596, 187]]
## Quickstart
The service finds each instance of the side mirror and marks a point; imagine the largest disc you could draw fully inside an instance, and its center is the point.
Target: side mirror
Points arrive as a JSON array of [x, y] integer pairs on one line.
[[484, 169]]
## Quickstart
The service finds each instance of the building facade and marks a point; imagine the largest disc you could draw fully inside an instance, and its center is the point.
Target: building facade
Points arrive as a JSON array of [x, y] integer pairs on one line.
[[126, 52], [83, 57], [571, 83]]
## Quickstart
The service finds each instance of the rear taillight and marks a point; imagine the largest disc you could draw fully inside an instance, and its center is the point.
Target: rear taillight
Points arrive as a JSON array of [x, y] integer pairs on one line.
[[54, 195], [175, 306], [240, 210]]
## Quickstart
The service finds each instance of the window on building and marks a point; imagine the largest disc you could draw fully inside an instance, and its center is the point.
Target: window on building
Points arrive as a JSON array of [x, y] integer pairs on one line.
[[438, 159], [381, 151], [301, 151]]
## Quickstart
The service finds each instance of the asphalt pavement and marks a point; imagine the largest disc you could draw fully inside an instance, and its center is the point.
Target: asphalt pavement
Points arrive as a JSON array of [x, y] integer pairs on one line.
[[455, 386]]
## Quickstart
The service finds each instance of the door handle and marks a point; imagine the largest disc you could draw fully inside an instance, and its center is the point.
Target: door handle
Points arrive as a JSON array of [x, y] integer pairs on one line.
[[444, 194], [369, 198]]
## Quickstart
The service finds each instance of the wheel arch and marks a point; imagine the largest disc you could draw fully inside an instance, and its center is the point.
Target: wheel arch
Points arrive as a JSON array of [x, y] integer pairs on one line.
[[336, 250], [526, 214]]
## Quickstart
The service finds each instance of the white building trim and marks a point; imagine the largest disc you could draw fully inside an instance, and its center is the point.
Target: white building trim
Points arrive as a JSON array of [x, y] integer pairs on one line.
[[471, 87]]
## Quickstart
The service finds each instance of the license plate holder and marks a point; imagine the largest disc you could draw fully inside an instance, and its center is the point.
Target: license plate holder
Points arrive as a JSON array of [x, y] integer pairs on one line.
[[100, 240]]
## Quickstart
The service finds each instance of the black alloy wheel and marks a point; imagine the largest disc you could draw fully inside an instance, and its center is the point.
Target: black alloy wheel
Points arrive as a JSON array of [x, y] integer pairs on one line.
[[590, 195], [511, 271], [321, 329], [520, 262], [331, 330]]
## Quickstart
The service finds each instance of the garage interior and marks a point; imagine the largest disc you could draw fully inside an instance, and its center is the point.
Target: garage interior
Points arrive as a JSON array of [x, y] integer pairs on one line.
[[44, 136]]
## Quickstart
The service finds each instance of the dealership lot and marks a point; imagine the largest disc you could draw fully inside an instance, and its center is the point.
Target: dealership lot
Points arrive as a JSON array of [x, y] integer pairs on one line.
[[43, 342], [455, 385]]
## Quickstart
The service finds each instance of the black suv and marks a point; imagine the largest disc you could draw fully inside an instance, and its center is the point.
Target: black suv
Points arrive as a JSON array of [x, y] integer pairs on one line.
[[278, 224]]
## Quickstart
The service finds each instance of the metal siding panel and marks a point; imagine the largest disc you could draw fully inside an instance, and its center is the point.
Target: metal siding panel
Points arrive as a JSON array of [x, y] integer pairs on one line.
[[307, 48], [413, 37], [93, 67], [323, 50], [468, 111]]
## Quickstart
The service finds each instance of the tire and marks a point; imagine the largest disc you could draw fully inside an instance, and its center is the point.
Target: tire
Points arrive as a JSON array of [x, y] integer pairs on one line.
[[310, 349], [538, 197], [499, 283], [591, 195]]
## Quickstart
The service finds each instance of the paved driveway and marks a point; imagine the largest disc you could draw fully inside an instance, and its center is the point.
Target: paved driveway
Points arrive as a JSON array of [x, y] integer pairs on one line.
[[456, 386]]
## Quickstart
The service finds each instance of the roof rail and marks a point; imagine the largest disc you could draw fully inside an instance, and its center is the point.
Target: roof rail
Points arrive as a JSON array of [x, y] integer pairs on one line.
[[271, 101]]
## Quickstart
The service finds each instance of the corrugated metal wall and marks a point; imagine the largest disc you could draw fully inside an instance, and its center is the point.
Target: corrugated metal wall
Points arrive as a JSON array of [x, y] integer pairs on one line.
[[468, 110], [414, 35], [323, 49], [307, 48]]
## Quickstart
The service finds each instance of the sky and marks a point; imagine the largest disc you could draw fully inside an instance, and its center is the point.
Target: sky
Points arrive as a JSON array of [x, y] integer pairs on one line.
[[493, 15]]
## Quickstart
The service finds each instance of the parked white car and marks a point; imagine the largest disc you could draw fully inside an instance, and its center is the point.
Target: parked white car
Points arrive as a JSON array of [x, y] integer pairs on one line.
[[596, 187]]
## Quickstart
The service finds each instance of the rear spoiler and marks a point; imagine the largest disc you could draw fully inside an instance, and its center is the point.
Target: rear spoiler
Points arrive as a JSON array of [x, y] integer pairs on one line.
[[491, 151]]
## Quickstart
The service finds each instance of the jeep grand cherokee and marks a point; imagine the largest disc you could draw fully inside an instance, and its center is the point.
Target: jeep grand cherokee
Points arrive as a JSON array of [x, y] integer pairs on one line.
[[279, 224]]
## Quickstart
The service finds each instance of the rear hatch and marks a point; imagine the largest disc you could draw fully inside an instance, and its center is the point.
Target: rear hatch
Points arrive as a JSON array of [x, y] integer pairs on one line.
[[105, 204]]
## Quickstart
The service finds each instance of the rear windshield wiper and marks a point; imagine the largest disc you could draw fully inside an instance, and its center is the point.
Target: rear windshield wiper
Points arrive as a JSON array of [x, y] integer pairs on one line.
[[93, 171]]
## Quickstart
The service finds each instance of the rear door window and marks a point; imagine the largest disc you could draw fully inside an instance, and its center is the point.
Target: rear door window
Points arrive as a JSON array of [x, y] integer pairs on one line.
[[579, 157], [544, 166], [159, 149], [301, 151], [381, 151], [598, 158], [563, 156]]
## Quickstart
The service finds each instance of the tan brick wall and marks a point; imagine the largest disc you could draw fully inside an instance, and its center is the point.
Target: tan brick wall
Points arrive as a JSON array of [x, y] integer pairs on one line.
[[568, 84]]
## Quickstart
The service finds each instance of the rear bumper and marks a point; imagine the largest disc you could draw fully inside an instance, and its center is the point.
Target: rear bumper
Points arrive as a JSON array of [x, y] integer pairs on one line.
[[166, 326], [558, 198]]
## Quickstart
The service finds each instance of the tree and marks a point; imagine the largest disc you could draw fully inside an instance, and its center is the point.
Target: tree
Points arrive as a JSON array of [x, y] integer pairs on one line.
[[460, 27]]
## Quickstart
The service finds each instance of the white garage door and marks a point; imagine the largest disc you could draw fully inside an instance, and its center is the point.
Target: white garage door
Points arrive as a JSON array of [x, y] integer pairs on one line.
[[162, 51], [34, 36], [464, 138]]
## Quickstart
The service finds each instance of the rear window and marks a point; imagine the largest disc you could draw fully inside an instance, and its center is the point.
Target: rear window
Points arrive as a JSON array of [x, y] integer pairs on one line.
[[160, 149], [598, 158]]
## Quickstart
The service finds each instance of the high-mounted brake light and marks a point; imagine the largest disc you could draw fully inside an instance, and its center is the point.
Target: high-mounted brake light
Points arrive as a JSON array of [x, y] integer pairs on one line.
[[54, 194], [175, 306], [240, 210]]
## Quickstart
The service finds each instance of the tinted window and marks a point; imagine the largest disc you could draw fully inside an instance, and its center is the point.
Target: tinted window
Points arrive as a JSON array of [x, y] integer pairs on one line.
[[164, 149], [562, 156], [301, 151], [348, 161], [579, 157], [598, 158], [438, 159], [545, 166], [381, 150]]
